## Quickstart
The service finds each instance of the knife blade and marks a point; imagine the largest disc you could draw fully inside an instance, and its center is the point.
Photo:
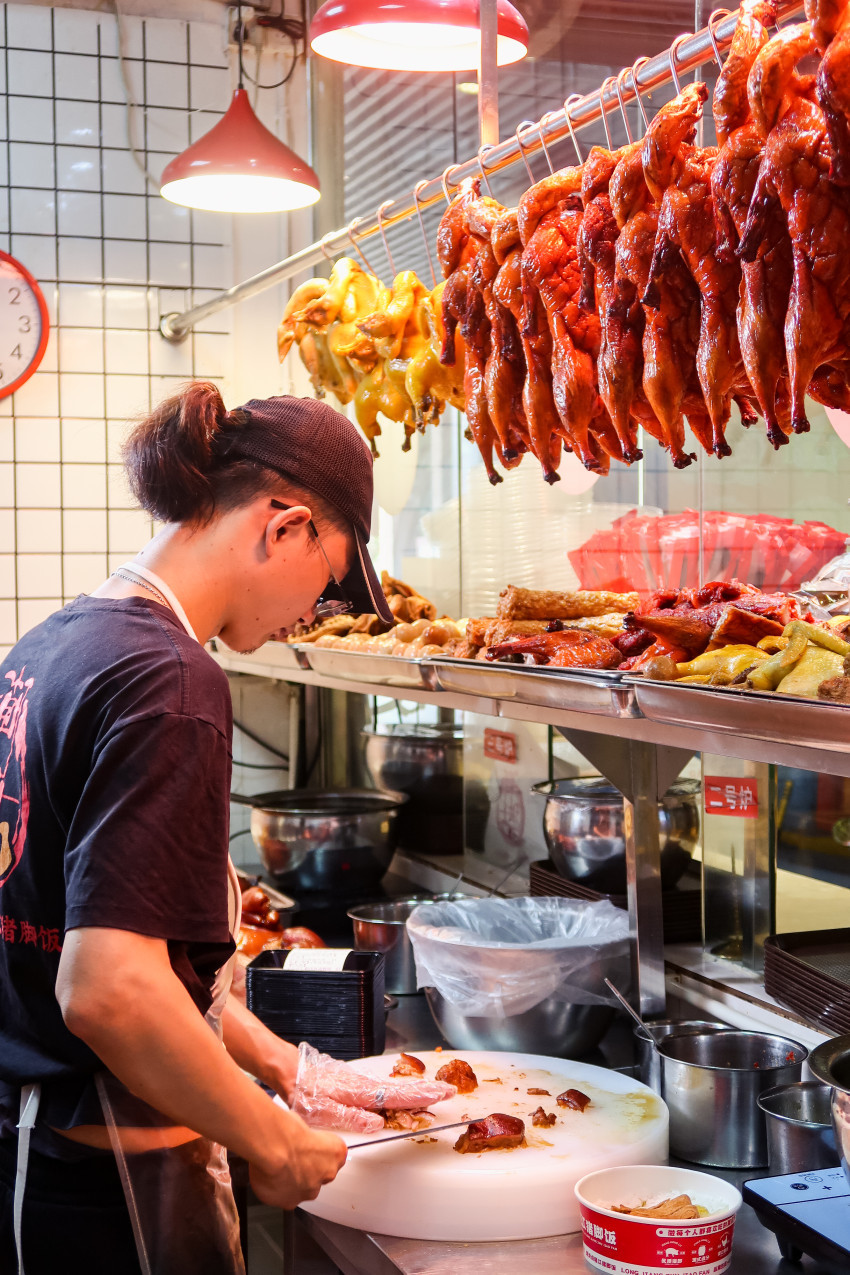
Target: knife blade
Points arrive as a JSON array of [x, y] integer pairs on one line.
[[410, 1133]]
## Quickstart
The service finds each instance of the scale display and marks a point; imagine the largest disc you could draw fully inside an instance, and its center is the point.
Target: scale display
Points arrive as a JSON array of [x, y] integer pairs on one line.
[[809, 1212]]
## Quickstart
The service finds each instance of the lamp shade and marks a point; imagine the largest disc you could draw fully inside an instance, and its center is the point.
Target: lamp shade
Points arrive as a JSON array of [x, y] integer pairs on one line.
[[239, 166], [413, 35]]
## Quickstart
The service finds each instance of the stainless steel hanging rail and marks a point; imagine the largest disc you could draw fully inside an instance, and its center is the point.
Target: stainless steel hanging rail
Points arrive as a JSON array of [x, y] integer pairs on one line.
[[687, 53]]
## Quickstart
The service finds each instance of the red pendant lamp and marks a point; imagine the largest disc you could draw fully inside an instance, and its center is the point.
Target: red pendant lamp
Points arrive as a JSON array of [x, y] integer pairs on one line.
[[240, 166], [413, 35]]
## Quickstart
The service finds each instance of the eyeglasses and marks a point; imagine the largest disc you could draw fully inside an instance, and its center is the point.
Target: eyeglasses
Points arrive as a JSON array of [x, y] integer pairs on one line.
[[325, 607]]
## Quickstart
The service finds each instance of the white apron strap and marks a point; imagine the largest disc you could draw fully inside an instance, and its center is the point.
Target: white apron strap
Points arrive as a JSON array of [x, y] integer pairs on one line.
[[126, 1181], [30, 1098]]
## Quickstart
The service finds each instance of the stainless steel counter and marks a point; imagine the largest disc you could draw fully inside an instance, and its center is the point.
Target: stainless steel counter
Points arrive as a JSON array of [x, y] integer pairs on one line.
[[352, 1252]]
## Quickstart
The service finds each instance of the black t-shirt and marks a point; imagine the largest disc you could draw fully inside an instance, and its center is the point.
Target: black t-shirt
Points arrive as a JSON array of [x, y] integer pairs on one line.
[[115, 757]]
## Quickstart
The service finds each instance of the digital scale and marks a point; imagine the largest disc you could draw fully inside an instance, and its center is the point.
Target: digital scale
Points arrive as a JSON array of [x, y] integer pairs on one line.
[[807, 1212]]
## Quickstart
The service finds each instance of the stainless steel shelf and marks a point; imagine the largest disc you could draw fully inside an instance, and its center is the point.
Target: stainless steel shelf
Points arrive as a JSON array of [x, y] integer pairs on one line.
[[757, 727]]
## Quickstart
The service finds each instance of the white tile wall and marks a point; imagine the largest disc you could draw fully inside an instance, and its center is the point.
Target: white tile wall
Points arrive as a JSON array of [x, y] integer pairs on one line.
[[111, 256]]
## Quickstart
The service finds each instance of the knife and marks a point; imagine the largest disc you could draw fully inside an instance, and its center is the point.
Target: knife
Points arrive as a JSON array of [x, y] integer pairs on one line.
[[411, 1133]]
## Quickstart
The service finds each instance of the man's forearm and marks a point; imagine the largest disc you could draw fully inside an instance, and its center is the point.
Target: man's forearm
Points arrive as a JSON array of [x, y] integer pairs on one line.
[[155, 1042], [257, 1050]]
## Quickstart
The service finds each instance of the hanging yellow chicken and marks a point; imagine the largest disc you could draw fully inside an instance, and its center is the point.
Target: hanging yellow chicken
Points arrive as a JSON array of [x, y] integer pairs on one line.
[[376, 347]]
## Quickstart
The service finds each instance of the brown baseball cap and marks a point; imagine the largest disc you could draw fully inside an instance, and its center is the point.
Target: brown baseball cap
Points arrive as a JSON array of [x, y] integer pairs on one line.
[[317, 447]]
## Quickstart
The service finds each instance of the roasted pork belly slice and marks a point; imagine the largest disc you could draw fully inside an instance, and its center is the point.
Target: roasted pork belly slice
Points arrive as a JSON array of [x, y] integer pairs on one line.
[[493, 1133]]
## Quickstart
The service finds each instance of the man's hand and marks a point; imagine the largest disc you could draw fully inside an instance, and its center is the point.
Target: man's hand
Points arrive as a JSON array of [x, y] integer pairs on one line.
[[315, 1158], [331, 1095]]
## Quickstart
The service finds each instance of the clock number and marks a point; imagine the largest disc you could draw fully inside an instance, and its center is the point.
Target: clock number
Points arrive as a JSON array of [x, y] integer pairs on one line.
[[24, 323], [2, 374], [15, 296], [17, 352]]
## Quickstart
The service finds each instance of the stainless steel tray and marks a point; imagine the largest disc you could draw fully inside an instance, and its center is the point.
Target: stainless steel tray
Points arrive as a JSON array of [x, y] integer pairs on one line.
[[758, 714], [288, 655], [359, 666], [586, 691]]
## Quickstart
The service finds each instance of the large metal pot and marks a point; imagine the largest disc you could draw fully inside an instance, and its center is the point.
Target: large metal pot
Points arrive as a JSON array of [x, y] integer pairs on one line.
[[583, 824], [648, 1038], [426, 763], [830, 1063], [324, 841], [712, 1082], [552, 1028], [381, 927]]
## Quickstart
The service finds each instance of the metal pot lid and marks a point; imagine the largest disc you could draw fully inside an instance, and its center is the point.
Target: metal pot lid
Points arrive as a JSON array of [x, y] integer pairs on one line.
[[420, 731], [306, 801], [598, 791]]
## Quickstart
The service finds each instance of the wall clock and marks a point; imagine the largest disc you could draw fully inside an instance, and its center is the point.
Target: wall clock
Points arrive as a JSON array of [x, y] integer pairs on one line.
[[24, 325]]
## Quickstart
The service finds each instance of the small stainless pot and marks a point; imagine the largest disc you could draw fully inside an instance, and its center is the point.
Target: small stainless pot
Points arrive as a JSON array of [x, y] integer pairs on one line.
[[584, 831], [552, 1027], [830, 1063], [380, 927], [712, 1082], [799, 1128], [310, 840], [647, 1040]]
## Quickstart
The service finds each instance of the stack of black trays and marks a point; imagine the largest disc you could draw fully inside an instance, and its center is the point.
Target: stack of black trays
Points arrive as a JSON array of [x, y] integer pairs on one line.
[[809, 972], [340, 1012], [682, 906]]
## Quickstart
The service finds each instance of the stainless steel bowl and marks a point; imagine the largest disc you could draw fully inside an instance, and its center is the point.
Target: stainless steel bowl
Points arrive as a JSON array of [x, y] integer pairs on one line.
[[552, 1028], [711, 1084], [325, 840], [800, 1137], [583, 827], [830, 1063], [426, 763], [647, 1039], [380, 927]]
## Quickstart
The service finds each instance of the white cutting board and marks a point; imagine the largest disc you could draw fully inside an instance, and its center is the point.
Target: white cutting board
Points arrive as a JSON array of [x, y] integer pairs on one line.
[[428, 1191]]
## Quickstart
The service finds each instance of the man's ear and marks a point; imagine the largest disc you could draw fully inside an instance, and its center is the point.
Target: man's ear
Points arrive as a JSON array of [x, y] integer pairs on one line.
[[284, 522]]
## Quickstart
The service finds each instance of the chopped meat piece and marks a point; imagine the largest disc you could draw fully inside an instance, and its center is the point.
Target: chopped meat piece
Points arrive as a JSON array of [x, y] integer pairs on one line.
[[836, 689], [544, 1092], [574, 1099], [493, 1080], [460, 1074], [493, 1133], [407, 1065], [680, 1207], [405, 1120], [543, 1119]]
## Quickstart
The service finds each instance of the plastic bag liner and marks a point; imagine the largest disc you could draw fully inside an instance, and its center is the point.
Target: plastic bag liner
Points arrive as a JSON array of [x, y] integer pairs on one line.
[[499, 957]]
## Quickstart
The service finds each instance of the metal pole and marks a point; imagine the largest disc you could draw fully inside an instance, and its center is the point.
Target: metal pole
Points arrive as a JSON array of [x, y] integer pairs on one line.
[[488, 73], [692, 52]]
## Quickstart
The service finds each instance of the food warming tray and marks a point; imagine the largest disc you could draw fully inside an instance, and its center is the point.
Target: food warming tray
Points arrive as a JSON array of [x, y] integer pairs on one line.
[[425, 1190], [600, 692], [360, 666], [757, 714]]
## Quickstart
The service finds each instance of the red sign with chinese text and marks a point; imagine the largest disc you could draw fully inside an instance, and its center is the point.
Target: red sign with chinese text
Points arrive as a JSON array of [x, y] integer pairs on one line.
[[501, 745], [731, 797]]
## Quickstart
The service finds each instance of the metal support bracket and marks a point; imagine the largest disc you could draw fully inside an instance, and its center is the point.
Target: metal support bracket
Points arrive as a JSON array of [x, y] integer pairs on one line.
[[642, 773]]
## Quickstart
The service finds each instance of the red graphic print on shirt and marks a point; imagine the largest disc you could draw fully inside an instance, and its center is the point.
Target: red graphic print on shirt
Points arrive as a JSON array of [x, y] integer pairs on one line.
[[14, 790]]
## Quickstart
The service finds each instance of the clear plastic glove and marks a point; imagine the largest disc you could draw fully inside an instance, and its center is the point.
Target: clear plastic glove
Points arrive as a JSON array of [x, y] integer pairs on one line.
[[331, 1095]]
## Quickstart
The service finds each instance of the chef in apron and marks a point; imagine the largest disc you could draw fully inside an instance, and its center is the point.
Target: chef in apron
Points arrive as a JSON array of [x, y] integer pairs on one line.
[[122, 1062]]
